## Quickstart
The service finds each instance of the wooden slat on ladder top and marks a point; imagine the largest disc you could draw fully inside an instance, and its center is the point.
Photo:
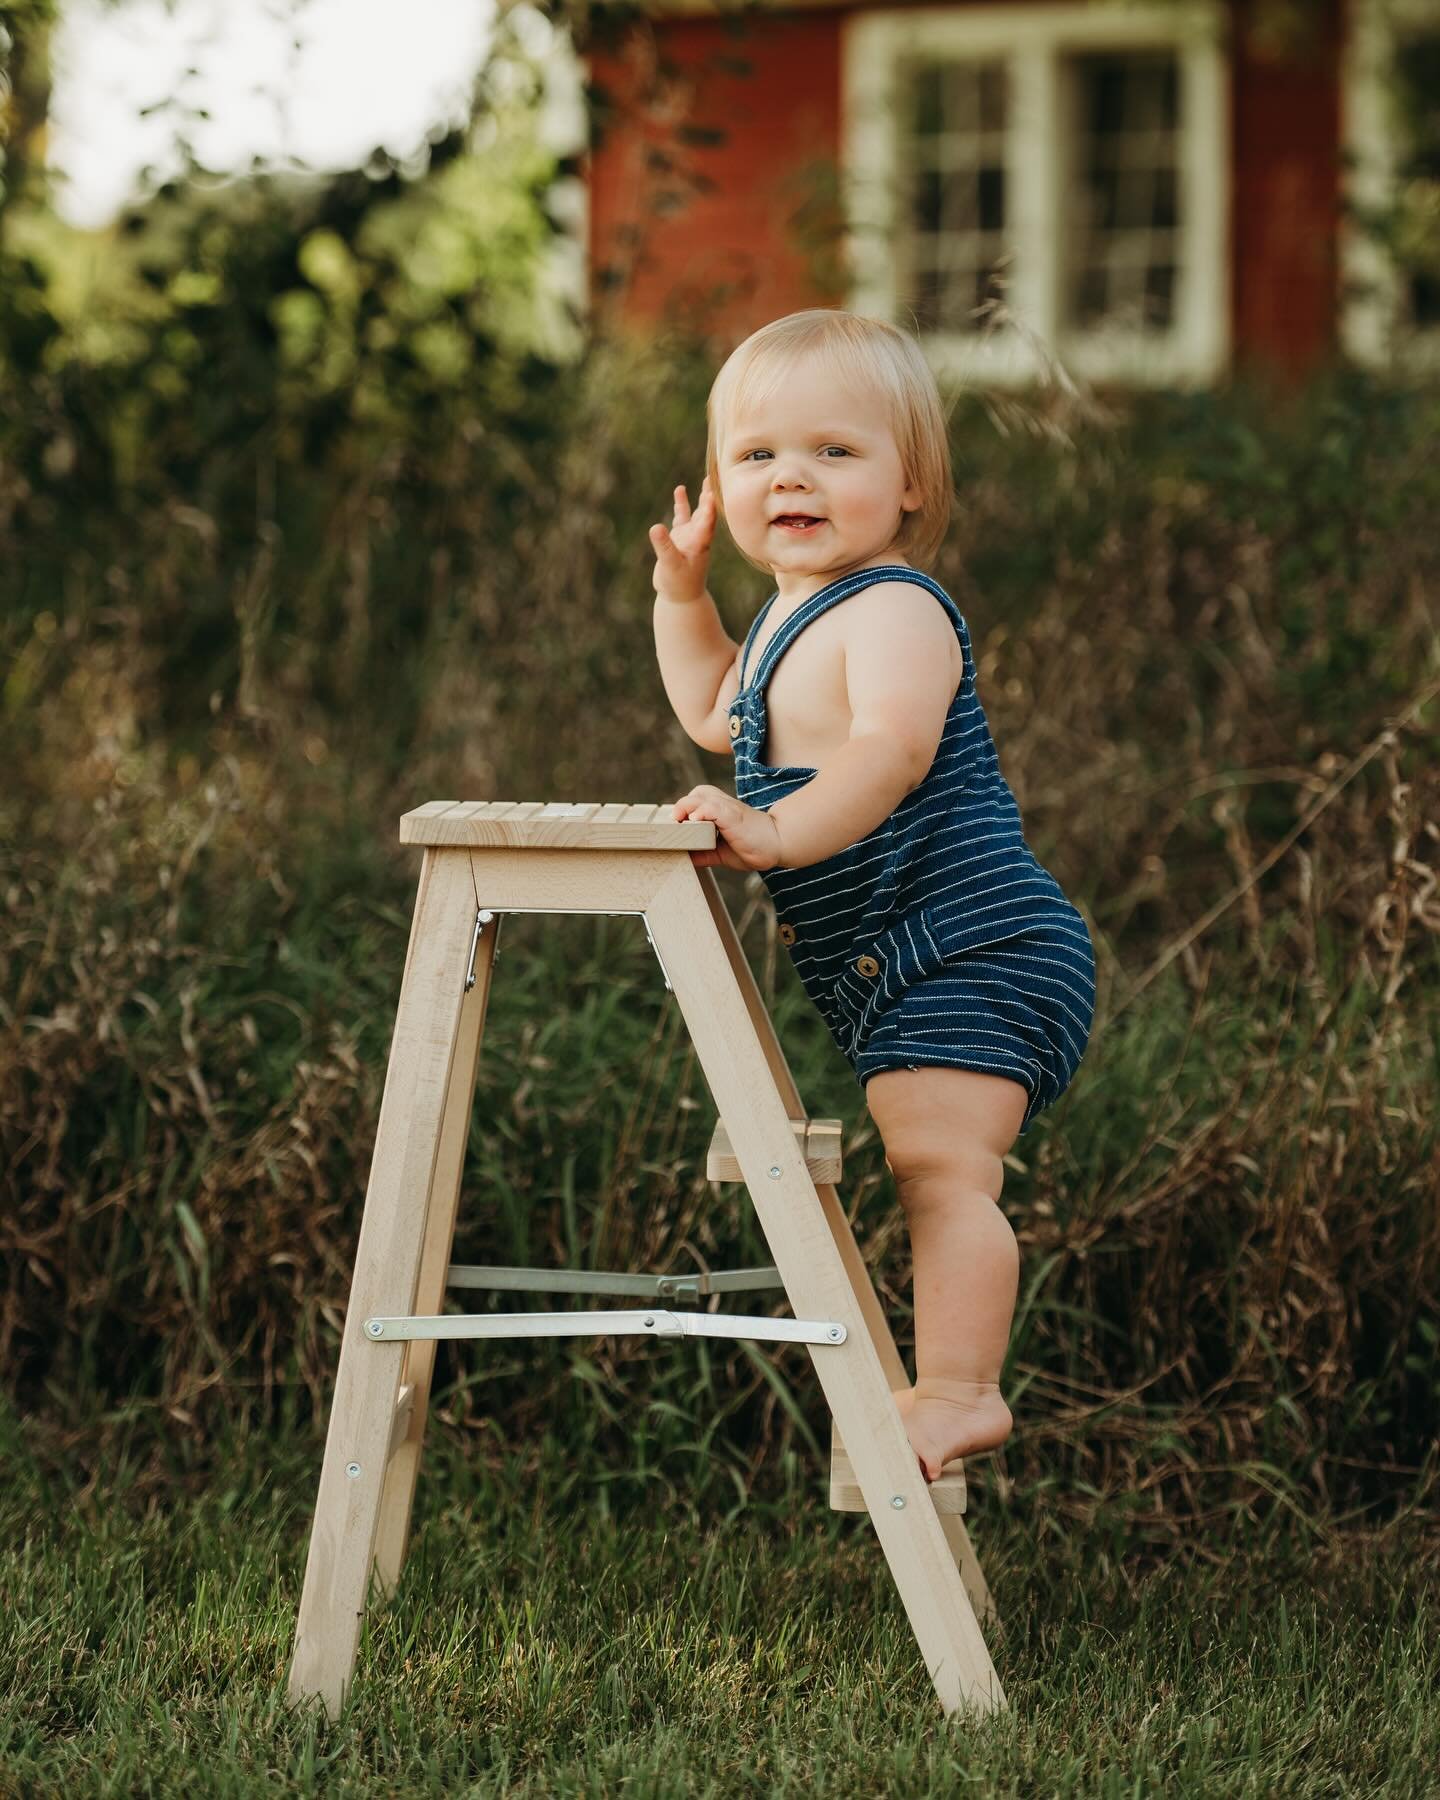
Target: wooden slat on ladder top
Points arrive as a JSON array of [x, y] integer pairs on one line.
[[567, 825]]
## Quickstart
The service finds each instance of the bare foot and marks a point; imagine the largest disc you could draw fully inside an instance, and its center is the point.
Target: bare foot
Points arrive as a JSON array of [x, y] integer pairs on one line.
[[946, 1419]]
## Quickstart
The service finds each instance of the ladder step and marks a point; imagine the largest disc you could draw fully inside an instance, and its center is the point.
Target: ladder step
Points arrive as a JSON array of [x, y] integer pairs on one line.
[[819, 1139], [948, 1492]]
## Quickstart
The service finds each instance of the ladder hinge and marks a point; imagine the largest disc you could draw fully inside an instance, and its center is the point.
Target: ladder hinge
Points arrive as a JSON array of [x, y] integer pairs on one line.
[[482, 919]]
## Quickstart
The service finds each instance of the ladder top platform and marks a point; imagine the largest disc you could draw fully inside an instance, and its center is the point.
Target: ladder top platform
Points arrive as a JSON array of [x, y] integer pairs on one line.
[[555, 825]]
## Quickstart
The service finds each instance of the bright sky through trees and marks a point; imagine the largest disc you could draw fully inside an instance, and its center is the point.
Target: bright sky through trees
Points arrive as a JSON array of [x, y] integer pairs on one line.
[[366, 73]]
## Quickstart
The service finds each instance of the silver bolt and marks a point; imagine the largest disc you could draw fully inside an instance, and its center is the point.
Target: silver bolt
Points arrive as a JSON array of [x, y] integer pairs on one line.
[[352, 1470], [774, 1171], [835, 1333], [650, 1320], [898, 1502], [374, 1327]]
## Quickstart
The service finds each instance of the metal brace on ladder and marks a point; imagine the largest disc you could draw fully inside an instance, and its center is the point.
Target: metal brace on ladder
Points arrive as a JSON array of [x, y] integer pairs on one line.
[[700, 1285], [651, 1323]]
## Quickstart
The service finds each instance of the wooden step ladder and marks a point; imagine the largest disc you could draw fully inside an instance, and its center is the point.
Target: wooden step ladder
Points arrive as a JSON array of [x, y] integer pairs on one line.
[[481, 860]]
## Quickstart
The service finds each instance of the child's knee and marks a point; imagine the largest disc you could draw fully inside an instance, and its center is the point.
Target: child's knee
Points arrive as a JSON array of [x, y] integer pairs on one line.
[[941, 1162]]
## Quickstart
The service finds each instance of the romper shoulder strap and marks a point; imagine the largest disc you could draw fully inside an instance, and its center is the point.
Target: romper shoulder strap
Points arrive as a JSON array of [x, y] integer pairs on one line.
[[750, 635], [824, 598]]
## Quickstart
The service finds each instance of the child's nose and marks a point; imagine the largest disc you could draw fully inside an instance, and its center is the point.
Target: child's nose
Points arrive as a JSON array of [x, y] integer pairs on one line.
[[786, 479]]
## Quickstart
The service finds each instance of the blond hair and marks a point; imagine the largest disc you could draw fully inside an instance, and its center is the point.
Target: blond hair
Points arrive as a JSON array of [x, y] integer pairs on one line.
[[862, 353]]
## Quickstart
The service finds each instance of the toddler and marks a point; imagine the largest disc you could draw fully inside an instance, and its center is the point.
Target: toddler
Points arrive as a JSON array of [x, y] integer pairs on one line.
[[952, 971]]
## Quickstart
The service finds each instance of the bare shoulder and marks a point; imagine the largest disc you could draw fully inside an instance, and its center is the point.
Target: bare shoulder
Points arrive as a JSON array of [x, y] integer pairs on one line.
[[898, 618]]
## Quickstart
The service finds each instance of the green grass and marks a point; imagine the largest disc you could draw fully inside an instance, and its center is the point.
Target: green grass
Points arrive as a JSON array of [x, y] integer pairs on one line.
[[565, 1630]]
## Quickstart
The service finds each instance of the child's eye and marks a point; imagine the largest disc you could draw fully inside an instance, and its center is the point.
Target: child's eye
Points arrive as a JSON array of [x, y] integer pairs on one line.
[[829, 447]]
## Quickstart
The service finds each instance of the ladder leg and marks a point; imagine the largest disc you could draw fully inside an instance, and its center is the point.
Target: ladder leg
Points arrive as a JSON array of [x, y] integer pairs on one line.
[[856, 1384], [387, 1267], [418, 1368], [858, 1275]]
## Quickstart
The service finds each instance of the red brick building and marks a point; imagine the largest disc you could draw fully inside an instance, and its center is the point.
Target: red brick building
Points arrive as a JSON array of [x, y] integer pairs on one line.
[[1160, 191]]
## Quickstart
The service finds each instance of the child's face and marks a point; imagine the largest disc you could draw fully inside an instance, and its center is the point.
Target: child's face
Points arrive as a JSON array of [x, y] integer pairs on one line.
[[813, 447]]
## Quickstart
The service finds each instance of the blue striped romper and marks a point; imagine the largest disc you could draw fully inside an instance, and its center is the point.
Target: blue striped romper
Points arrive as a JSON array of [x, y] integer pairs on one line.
[[938, 938]]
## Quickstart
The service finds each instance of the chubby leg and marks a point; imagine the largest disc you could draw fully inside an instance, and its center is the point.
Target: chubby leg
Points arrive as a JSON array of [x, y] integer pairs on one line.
[[945, 1133]]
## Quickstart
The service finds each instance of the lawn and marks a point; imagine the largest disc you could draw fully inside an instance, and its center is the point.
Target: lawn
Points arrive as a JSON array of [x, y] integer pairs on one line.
[[575, 1630]]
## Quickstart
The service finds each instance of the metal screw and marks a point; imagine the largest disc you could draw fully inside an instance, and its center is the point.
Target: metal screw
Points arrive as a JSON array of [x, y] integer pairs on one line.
[[374, 1327], [650, 1320], [898, 1502], [774, 1171], [352, 1470], [835, 1333]]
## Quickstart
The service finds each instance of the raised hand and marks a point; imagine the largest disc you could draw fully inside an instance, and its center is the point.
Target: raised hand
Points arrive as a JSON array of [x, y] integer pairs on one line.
[[682, 550]]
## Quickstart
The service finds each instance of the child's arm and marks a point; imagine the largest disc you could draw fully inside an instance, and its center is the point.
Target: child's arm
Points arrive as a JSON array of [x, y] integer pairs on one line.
[[900, 677], [695, 652], [899, 680]]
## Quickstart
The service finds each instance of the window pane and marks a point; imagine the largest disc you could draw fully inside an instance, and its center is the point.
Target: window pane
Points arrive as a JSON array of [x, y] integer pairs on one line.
[[991, 190], [927, 196], [1417, 100], [992, 96], [952, 161], [928, 102], [1123, 238]]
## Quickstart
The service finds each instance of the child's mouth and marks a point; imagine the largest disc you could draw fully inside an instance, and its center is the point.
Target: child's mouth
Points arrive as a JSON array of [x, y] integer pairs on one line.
[[797, 522]]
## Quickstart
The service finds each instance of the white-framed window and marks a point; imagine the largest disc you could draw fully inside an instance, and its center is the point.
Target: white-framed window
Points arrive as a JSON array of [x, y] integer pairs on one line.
[[1390, 224], [1079, 153]]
